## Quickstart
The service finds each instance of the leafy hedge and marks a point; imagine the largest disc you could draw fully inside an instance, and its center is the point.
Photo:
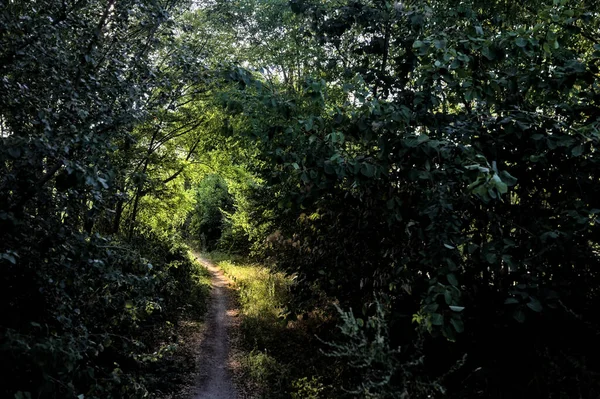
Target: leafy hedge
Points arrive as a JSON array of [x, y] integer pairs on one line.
[[85, 312], [443, 165], [97, 324]]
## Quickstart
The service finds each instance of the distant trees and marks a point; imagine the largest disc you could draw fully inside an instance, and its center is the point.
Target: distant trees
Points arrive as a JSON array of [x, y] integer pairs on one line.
[[208, 219]]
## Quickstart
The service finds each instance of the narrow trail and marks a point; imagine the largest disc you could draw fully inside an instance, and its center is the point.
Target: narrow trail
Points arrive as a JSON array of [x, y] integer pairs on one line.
[[214, 379]]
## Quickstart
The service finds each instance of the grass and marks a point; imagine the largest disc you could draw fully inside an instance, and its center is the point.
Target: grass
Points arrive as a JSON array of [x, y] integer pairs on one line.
[[262, 293], [202, 280], [275, 358], [177, 370]]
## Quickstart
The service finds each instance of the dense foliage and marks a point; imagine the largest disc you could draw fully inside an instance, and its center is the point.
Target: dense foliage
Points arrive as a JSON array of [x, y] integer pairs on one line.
[[208, 219], [86, 312], [435, 171], [430, 167]]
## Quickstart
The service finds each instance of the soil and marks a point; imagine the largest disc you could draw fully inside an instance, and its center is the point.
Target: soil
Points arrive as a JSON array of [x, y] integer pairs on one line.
[[215, 375]]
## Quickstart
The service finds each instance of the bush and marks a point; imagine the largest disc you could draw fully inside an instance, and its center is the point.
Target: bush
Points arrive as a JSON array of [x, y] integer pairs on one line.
[[208, 218], [108, 315]]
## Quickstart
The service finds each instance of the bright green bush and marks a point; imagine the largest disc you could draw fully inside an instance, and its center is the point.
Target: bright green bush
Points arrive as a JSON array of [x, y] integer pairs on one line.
[[208, 220]]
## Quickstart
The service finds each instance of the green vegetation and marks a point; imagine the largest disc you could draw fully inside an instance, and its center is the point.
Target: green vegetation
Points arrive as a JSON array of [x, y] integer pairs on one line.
[[419, 178], [271, 352], [263, 294], [208, 219], [95, 283]]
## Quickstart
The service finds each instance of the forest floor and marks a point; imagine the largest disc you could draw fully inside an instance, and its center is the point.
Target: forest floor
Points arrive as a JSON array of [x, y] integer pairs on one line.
[[214, 372], [272, 357], [244, 348]]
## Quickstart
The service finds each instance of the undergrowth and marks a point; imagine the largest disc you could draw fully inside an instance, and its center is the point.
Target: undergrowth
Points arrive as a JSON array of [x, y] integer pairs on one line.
[[174, 375], [272, 352], [113, 319]]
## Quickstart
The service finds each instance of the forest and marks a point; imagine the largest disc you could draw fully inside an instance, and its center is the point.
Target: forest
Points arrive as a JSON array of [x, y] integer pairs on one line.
[[406, 194]]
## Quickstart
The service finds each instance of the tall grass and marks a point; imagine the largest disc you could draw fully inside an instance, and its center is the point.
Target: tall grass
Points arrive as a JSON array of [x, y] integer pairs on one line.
[[262, 293]]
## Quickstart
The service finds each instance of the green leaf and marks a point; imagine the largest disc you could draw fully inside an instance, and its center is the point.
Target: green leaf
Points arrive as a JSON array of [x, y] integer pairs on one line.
[[390, 203], [308, 125], [469, 95], [577, 151], [448, 297], [534, 305], [457, 309], [437, 319], [458, 325], [452, 279], [367, 170], [511, 301], [14, 152], [431, 308], [487, 53], [491, 257], [10, 258], [478, 167], [471, 248], [448, 332], [418, 44], [507, 178], [411, 142], [103, 182], [519, 315], [501, 187], [521, 42]]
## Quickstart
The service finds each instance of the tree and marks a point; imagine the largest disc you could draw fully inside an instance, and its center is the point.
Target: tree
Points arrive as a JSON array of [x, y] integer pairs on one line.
[[448, 169], [82, 312]]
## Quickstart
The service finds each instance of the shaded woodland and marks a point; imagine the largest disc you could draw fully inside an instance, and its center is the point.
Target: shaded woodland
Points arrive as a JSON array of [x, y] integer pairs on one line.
[[419, 179]]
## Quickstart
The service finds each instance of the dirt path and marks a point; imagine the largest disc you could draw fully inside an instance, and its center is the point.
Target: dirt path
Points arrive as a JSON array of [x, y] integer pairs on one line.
[[214, 380]]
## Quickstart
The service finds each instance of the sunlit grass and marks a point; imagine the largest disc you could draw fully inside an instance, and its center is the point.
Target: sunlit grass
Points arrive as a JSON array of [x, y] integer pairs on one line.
[[276, 357], [201, 280], [262, 293], [202, 276]]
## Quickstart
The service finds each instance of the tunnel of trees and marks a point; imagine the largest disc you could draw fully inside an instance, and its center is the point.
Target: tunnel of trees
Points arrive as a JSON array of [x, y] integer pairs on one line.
[[425, 170]]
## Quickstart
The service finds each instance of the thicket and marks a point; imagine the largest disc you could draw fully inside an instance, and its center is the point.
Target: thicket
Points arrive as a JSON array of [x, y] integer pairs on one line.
[[208, 221], [428, 166], [433, 167], [94, 280]]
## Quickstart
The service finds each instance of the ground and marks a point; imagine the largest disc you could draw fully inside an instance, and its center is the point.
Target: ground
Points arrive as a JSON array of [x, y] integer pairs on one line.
[[215, 376]]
